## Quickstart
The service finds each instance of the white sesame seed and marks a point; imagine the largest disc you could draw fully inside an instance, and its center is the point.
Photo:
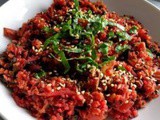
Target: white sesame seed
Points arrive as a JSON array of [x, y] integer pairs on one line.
[[130, 90], [50, 73], [126, 101], [49, 85], [33, 47], [36, 50], [62, 85], [108, 95], [52, 90], [58, 88], [83, 92], [104, 84], [112, 85]]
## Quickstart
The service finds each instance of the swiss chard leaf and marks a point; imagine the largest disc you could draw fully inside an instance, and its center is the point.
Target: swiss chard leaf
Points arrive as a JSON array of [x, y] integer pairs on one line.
[[133, 30], [94, 54], [64, 62], [150, 53], [52, 39], [40, 74], [107, 59], [111, 35], [123, 36], [76, 4], [122, 48], [73, 50], [47, 29], [121, 68], [103, 48]]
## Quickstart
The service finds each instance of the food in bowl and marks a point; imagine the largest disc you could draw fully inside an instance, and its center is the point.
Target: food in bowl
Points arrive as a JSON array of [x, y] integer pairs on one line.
[[78, 60]]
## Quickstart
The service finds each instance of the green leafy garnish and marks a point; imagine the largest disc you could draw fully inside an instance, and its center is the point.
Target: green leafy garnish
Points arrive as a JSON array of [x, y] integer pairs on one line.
[[123, 36], [81, 26], [121, 68], [113, 23], [83, 67], [111, 35], [150, 53], [122, 48], [107, 59], [133, 30], [54, 40], [76, 4], [64, 62], [94, 55], [73, 50], [47, 29], [103, 48], [40, 74]]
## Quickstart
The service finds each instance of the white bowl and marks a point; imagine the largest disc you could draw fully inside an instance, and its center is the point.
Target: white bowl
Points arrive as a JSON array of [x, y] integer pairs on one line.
[[15, 12]]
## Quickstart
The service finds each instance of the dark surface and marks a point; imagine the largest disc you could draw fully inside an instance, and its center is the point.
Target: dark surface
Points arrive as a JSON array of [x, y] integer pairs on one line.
[[2, 2]]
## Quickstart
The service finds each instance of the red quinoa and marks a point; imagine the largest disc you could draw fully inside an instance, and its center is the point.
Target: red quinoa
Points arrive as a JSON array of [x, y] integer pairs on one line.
[[78, 76]]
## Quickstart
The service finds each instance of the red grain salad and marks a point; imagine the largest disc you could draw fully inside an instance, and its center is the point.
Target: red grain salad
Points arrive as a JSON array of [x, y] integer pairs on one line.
[[80, 61]]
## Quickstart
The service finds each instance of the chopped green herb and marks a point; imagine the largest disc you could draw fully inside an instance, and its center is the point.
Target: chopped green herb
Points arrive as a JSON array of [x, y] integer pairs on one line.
[[133, 30], [47, 29], [107, 59], [123, 36], [122, 48], [53, 39], [112, 23], [150, 53], [64, 62], [111, 35], [76, 4], [94, 54], [74, 30], [73, 50], [87, 61], [40, 74], [121, 68], [103, 48]]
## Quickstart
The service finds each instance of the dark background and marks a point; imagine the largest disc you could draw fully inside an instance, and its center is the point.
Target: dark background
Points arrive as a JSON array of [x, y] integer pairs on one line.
[[2, 1]]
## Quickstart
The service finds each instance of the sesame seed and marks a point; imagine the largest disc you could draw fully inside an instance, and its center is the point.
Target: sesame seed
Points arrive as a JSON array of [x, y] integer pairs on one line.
[[126, 101], [58, 88], [36, 50], [112, 85], [52, 90], [83, 92], [130, 90], [49, 85], [104, 84], [33, 47], [49, 56], [62, 85], [108, 95], [50, 73]]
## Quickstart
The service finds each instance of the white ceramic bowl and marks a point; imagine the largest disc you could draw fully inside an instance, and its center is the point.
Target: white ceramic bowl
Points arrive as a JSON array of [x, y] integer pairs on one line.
[[15, 12]]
